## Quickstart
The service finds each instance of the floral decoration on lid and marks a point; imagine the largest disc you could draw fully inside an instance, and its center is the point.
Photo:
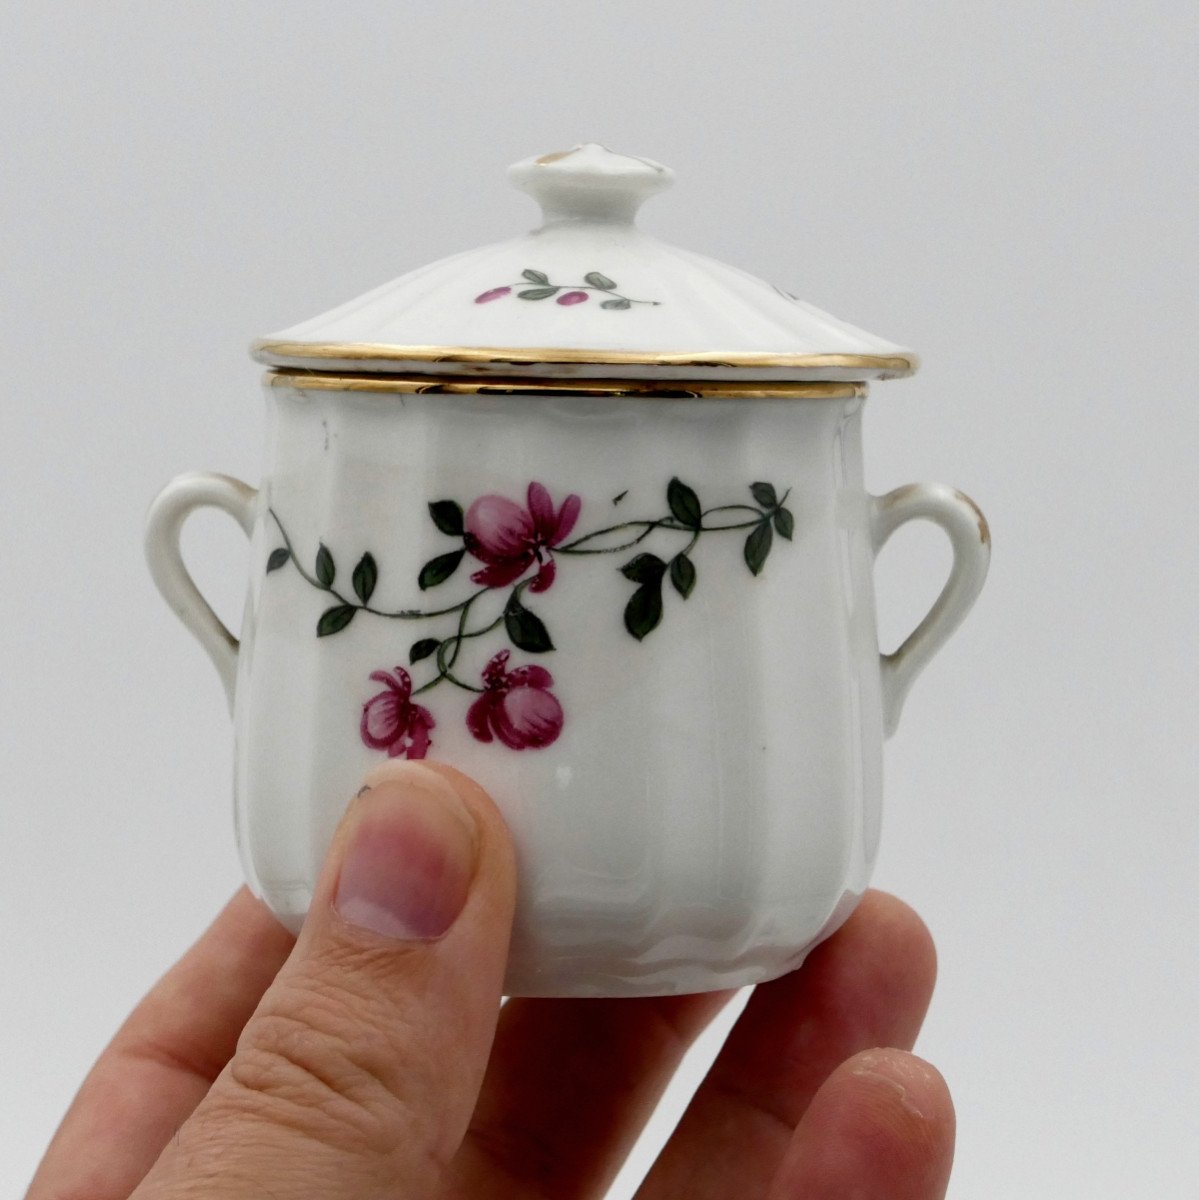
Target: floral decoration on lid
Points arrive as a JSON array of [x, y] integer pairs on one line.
[[586, 294]]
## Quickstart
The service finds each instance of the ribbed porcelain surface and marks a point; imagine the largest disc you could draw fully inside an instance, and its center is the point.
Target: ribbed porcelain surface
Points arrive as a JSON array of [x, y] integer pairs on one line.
[[710, 807], [586, 293], [583, 515]]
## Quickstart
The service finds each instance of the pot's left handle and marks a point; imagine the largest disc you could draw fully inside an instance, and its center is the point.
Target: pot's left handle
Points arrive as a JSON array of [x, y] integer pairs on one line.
[[164, 523]]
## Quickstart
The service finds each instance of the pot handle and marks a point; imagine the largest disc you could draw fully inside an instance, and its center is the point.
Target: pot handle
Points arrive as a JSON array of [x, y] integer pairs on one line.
[[970, 539], [164, 523]]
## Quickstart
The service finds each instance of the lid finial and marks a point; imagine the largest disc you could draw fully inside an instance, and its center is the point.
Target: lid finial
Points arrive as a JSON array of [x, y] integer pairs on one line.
[[590, 183]]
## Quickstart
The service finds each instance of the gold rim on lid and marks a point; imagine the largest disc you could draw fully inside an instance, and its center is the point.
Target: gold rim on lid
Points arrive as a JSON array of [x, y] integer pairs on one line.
[[882, 366]]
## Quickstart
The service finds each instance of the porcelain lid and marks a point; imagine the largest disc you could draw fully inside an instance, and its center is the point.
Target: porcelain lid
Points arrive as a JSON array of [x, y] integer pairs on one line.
[[585, 295]]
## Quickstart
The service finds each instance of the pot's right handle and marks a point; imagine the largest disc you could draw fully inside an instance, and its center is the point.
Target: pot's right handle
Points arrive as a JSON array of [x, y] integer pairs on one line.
[[970, 538], [164, 523]]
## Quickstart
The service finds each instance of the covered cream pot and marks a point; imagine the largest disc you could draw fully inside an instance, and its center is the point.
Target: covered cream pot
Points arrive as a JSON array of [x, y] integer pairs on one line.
[[581, 514]]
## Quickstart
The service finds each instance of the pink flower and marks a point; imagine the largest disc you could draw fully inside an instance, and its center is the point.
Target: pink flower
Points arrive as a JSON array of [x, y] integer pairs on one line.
[[493, 294], [391, 722], [572, 298], [516, 706], [510, 539]]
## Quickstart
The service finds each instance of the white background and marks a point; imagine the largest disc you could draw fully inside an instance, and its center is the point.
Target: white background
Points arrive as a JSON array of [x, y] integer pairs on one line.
[[1009, 186]]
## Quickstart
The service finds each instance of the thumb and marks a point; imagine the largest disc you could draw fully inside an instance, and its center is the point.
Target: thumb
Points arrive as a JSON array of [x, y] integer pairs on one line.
[[357, 1074]]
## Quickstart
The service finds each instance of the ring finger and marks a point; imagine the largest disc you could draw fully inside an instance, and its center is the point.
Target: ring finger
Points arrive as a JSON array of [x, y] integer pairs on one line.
[[868, 985]]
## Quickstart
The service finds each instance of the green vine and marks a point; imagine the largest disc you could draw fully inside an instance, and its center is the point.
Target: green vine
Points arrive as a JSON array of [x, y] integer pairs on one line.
[[525, 630]]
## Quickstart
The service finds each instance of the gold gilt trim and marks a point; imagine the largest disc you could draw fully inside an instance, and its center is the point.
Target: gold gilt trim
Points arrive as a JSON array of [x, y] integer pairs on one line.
[[893, 365], [304, 380]]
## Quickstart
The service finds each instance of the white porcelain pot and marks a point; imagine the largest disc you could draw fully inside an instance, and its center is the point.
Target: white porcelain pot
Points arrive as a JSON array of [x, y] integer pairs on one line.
[[628, 589]]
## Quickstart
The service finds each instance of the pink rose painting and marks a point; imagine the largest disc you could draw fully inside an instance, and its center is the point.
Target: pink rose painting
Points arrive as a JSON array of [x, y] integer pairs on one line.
[[516, 706], [537, 285], [491, 294], [510, 539], [391, 722], [518, 545]]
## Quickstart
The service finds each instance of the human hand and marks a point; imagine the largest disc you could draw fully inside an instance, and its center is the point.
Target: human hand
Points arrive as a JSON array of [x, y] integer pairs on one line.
[[365, 1061]]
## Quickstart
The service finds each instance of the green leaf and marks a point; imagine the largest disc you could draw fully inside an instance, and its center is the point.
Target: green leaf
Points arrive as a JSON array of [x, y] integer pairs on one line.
[[757, 546], [335, 619], [447, 516], [366, 575], [600, 281], [422, 649], [438, 570], [764, 494], [279, 558], [538, 293], [326, 572], [536, 276], [620, 302], [644, 610], [684, 503], [645, 568], [526, 630], [682, 575], [784, 523]]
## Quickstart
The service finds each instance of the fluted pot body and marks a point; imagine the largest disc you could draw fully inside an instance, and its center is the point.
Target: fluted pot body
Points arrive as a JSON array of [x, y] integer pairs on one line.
[[583, 516], [695, 799]]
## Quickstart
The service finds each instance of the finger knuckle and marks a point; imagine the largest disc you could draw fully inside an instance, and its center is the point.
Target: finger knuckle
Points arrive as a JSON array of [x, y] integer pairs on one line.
[[305, 1063]]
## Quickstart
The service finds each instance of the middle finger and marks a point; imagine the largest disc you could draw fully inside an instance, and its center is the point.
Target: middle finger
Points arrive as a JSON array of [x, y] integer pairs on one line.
[[568, 1088]]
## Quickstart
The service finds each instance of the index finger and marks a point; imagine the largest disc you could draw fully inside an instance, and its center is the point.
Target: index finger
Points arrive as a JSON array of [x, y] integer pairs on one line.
[[163, 1060]]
